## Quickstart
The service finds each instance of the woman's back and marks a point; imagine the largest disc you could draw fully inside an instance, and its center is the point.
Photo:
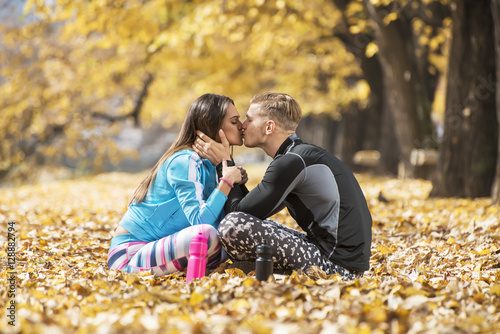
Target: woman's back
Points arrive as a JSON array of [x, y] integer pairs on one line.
[[183, 194]]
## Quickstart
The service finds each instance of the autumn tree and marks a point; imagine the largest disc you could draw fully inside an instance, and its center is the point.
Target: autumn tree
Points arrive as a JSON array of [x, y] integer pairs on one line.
[[75, 70], [410, 37], [404, 56], [495, 6], [66, 85], [400, 46], [468, 153], [405, 94], [372, 124]]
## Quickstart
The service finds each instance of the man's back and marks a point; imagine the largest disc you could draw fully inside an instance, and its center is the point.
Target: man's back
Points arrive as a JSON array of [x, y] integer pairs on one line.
[[330, 206]]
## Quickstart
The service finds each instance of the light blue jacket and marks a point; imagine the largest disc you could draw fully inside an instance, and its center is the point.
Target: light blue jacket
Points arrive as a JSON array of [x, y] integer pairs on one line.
[[183, 194]]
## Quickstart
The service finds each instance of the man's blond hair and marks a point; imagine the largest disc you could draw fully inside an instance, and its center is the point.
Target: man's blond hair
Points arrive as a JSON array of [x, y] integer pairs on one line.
[[280, 107]]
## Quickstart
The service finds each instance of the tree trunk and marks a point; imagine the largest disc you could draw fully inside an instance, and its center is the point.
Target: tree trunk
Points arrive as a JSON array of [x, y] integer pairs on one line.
[[353, 124], [388, 146], [379, 126], [495, 10], [468, 151], [404, 85], [377, 132], [321, 130]]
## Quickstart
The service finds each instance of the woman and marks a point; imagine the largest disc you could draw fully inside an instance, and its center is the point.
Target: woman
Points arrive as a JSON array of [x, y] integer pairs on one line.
[[180, 197]]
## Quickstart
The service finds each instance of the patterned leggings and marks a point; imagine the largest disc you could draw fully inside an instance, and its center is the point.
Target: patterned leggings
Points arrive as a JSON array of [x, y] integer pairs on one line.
[[240, 233], [164, 256]]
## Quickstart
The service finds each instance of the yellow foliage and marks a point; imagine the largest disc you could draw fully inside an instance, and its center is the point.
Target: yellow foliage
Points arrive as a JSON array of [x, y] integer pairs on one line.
[[371, 49], [389, 18], [196, 298], [91, 53], [93, 56], [384, 249], [495, 290], [419, 279]]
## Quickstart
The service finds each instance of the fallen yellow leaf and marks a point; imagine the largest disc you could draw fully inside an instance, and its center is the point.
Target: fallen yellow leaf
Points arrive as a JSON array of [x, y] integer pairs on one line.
[[384, 249], [196, 298], [495, 290]]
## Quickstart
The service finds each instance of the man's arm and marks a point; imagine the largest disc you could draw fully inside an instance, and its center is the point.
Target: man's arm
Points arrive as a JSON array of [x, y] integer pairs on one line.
[[281, 177]]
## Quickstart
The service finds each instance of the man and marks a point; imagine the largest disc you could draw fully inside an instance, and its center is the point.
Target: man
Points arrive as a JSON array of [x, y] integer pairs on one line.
[[319, 191]]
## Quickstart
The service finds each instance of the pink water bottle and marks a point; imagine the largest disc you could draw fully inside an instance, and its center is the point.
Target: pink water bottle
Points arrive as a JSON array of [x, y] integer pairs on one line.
[[197, 257]]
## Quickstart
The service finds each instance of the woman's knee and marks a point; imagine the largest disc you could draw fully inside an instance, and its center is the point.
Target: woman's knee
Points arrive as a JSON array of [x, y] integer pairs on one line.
[[207, 230], [210, 232]]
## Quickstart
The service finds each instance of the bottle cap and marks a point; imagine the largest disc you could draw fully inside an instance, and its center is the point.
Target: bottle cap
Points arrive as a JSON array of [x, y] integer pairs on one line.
[[198, 245], [264, 249]]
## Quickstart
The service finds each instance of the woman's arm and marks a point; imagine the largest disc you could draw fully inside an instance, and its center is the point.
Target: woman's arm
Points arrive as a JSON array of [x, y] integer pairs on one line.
[[184, 174]]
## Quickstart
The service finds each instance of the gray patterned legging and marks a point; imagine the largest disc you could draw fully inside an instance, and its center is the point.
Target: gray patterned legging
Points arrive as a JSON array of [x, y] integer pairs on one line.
[[240, 233]]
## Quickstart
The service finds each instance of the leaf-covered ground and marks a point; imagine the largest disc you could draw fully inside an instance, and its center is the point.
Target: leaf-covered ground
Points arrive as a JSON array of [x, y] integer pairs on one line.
[[434, 269]]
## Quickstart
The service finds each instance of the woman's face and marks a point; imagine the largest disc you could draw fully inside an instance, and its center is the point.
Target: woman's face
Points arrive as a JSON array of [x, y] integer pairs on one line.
[[231, 126]]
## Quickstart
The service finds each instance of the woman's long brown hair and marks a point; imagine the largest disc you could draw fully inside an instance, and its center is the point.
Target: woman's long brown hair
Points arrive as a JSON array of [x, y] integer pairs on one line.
[[205, 114]]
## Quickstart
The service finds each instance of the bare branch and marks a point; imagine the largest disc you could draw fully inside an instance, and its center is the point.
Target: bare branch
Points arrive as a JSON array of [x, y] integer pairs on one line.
[[137, 108]]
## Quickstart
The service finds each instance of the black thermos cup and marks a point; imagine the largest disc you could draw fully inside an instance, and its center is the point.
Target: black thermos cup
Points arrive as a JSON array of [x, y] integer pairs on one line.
[[264, 262]]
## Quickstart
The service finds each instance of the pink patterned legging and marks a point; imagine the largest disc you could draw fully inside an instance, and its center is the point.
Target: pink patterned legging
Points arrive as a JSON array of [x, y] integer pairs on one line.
[[164, 256]]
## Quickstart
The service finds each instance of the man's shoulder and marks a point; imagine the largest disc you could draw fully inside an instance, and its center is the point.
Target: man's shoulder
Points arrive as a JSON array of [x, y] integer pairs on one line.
[[312, 155], [291, 156], [304, 149], [285, 164]]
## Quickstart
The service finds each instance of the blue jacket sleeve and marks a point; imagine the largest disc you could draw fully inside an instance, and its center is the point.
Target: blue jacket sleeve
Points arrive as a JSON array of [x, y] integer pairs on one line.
[[188, 176]]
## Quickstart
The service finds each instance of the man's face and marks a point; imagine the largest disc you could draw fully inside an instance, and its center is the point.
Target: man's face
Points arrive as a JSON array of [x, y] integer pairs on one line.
[[254, 127]]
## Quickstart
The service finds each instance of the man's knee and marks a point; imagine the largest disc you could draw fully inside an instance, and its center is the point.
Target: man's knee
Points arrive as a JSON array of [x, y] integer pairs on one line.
[[231, 219], [230, 223], [236, 216]]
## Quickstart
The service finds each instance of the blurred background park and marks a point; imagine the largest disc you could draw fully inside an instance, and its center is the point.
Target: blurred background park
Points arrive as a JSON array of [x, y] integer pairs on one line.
[[403, 88], [400, 90]]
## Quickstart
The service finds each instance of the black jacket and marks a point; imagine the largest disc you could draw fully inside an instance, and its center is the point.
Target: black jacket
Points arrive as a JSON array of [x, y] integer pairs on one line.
[[321, 194]]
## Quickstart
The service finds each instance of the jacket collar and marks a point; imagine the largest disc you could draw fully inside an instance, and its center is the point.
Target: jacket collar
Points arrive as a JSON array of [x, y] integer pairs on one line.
[[290, 142]]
